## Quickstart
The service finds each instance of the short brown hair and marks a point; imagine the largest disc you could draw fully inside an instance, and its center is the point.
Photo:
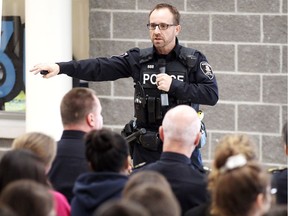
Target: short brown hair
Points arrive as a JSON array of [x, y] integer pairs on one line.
[[76, 104], [171, 8]]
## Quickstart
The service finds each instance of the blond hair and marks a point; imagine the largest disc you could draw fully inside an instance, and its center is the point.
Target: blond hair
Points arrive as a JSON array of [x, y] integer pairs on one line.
[[44, 146]]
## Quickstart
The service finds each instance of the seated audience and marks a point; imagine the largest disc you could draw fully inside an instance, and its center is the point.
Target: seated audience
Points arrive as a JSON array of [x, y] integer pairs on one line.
[[107, 154], [156, 199], [20, 164], [27, 197], [44, 147], [80, 112], [121, 207], [180, 133]]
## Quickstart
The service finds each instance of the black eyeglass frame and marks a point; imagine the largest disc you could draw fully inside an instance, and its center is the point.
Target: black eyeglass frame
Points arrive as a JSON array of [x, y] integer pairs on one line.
[[161, 26]]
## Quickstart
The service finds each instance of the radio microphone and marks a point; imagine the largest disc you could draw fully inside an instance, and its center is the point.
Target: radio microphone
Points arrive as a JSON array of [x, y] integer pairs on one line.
[[164, 95], [162, 65]]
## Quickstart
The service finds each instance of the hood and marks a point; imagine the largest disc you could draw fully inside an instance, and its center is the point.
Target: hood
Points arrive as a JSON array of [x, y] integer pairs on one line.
[[92, 189]]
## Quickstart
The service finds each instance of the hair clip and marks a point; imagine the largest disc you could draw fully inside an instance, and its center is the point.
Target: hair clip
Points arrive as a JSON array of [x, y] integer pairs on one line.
[[234, 162]]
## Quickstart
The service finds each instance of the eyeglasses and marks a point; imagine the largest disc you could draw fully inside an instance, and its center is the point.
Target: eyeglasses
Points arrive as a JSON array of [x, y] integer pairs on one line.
[[161, 26]]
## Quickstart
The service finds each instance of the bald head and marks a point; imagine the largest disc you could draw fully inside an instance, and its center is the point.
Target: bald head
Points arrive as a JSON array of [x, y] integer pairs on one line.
[[181, 124]]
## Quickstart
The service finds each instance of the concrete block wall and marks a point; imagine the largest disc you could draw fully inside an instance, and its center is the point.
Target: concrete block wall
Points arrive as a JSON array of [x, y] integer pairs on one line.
[[245, 41]]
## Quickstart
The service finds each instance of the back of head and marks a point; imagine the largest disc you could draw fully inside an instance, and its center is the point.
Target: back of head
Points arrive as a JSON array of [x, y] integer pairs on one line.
[[144, 177], [77, 104], [106, 150], [42, 145], [21, 164], [238, 187], [157, 200], [27, 197], [230, 145], [181, 124], [121, 207]]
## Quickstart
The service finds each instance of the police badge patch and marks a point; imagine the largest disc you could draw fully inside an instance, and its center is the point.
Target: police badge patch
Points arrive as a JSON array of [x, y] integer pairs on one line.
[[207, 69]]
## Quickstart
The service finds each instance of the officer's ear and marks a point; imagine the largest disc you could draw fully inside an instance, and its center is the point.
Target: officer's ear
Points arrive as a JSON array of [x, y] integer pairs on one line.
[[178, 29], [161, 133]]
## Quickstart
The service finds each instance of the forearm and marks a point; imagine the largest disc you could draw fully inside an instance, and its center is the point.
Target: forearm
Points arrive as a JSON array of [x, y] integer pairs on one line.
[[199, 93]]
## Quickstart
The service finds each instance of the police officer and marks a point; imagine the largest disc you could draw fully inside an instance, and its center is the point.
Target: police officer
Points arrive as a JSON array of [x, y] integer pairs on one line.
[[165, 76]]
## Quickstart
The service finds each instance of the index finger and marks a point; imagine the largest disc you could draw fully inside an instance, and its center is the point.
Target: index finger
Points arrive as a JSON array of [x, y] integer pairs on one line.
[[36, 69]]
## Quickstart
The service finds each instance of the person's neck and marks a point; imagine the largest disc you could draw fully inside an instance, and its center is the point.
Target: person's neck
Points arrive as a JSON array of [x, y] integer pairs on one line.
[[77, 127], [177, 148]]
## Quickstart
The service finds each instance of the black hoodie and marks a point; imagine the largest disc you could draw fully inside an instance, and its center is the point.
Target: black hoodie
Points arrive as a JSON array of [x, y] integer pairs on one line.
[[92, 189]]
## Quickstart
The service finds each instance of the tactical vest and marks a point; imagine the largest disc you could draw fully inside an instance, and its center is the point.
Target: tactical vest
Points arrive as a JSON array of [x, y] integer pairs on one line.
[[147, 102]]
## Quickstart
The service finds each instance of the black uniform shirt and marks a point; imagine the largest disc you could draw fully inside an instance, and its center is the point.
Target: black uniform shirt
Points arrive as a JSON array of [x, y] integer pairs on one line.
[[187, 183], [200, 89], [69, 163]]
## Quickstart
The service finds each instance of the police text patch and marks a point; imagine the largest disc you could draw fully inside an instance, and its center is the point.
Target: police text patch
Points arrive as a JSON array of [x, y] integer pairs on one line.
[[207, 69], [148, 79]]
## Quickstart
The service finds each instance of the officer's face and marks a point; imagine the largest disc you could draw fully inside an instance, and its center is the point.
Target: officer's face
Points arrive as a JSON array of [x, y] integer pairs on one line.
[[163, 40]]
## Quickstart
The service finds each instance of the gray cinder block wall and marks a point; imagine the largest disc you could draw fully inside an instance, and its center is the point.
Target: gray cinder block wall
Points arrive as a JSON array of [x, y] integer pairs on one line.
[[245, 41]]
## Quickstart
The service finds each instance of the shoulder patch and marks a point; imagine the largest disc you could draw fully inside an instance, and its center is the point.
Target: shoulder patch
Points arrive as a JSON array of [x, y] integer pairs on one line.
[[206, 69]]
